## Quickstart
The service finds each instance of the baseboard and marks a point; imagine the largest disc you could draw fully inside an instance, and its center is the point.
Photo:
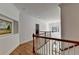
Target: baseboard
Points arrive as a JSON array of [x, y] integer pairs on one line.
[[11, 50], [25, 41]]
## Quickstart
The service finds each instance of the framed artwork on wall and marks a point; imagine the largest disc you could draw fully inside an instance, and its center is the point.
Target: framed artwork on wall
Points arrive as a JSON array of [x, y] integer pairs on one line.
[[55, 29], [8, 25], [5, 25]]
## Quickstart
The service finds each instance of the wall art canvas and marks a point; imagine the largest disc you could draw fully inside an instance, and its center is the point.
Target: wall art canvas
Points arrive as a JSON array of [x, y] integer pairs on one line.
[[5, 26]]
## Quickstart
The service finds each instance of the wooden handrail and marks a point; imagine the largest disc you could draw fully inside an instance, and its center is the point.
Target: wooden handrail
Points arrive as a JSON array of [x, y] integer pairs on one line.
[[45, 31], [76, 43], [57, 39], [69, 47]]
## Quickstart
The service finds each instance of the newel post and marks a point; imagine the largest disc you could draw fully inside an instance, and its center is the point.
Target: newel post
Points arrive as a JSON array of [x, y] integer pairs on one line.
[[33, 44]]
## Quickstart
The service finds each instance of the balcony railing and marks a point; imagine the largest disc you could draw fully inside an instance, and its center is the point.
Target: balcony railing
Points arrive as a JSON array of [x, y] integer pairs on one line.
[[44, 44]]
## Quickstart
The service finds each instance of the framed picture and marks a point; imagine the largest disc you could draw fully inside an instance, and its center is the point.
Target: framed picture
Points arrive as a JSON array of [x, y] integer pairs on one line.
[[55, 29], [5, 26]]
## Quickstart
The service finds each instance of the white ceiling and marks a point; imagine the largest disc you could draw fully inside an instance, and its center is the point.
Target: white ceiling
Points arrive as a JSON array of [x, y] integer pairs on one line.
[[44, 11]]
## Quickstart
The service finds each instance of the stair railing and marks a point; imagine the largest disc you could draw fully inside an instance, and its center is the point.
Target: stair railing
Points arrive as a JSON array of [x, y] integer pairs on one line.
[[44, 44]]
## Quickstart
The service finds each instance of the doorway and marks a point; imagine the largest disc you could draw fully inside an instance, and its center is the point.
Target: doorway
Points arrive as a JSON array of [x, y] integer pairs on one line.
[[37, 29]]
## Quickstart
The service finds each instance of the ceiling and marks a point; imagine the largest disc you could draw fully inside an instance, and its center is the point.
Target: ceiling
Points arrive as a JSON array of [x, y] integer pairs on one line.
[[44, 11]]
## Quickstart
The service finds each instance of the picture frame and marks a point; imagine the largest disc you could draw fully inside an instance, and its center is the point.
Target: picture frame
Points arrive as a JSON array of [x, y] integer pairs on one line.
[[5, 25], [55, 29]]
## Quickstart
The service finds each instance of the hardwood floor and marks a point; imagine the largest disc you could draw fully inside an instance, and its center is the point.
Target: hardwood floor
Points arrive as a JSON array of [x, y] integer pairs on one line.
[[23, 49]]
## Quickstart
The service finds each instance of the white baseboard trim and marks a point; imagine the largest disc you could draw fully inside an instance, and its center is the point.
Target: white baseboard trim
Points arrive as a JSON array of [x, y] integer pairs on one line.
[[25, 41]]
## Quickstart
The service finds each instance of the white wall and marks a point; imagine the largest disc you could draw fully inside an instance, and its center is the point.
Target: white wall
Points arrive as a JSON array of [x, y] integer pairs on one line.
[[9, 10], [70, 24], [27, 26], [9, 42], [70, 21]]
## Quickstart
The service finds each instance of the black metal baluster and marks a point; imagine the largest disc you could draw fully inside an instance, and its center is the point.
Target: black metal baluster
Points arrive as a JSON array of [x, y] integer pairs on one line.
[[52, 47], [44, 43], [49, 47], [39, 46], [74, 50], [59, 47], [36, 45], [68, 49], [63, 44], [44, 47], [55, 47]]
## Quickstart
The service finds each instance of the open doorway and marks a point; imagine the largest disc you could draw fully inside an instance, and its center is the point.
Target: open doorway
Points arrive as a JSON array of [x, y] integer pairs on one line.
[[37, 28]]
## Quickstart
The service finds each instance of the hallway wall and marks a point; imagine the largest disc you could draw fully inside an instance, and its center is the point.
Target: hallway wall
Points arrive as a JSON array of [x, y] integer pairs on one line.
[[70, 24], [10, 41], [70, 21], [27, 26]]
